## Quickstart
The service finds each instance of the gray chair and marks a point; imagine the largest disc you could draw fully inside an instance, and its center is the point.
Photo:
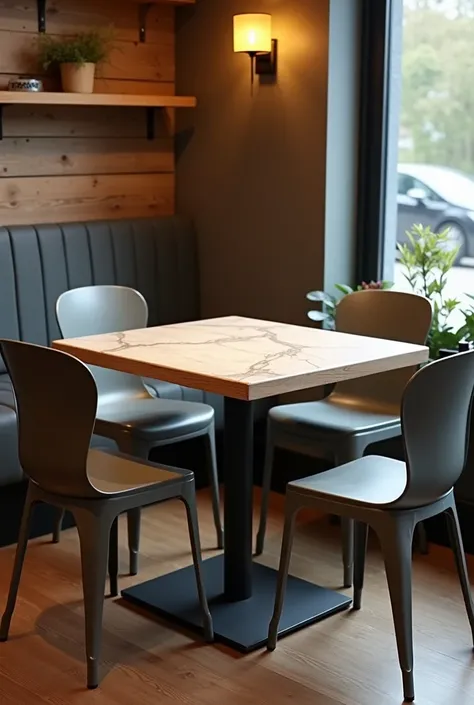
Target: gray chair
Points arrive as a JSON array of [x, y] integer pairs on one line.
[[127, 411], [358, 412], [96, 486], [392, 497]]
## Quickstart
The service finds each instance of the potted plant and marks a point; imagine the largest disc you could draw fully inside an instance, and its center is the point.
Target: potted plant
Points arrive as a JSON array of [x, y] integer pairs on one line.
[[329, 302], [76, 57], [427, 259]]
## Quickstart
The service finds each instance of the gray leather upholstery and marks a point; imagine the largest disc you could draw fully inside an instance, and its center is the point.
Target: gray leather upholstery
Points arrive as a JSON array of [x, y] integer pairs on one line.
[[157, 422], [333, 415], [38, 263]]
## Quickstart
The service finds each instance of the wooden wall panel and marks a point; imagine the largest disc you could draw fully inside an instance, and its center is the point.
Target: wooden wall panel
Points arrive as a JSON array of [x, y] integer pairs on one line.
[[65, 121], [128, 60], [36, 199], [63, 163], [71, 16], [81, 156]]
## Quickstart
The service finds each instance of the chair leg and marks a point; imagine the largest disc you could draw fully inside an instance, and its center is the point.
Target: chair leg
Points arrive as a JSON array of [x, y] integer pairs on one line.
[[17, 567], [189, 499], [211, 459], [266, 485], [94, 535], [349, 450], [134, 517], [285, 556], [348, 550], [396, 540], [361, 533], [140, 449], [421, 539], [113, 559], [58, 525], [458, 549]]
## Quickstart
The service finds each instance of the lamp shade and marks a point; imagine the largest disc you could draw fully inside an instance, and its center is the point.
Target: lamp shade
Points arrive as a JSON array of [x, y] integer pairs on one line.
[[253, 33]]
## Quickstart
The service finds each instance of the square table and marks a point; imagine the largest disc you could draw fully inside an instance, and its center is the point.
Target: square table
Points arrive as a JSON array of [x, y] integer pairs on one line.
[[244, 360]]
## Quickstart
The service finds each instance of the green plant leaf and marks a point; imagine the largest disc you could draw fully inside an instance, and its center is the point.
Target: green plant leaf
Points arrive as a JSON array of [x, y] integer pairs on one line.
[[318, 296], [86, 47], [344, 289], [318, 316]]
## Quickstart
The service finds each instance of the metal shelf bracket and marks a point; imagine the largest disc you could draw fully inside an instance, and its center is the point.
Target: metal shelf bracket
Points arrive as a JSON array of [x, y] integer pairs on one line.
[[41, 5], [150, 123], [143, 10]]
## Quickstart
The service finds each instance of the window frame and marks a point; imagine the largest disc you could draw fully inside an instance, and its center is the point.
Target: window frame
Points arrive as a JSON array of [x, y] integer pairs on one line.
[[380, 93]]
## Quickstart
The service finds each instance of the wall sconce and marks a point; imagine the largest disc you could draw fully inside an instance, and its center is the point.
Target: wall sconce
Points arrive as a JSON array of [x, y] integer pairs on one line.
[[253, 36]]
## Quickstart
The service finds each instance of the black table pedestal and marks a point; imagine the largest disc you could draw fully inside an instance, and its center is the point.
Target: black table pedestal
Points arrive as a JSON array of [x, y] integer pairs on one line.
[[242, 625], [241, 593]]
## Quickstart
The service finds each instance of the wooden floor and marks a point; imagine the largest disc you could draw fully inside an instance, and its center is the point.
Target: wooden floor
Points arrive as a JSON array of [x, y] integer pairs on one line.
[[349, 659]]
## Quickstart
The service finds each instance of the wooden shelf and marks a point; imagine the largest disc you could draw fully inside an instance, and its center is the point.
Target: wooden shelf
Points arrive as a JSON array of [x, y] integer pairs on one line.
[[97, 99], [149, 102]]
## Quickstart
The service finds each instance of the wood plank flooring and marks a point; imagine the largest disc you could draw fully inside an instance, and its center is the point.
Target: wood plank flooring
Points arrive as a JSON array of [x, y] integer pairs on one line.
[[349, 659]]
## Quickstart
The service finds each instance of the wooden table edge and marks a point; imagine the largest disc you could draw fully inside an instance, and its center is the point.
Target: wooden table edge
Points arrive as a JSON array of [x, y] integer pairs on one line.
[[236, 389], [195, 380]]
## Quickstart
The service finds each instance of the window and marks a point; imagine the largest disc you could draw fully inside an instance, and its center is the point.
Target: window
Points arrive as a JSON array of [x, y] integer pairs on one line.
[[435, 116]]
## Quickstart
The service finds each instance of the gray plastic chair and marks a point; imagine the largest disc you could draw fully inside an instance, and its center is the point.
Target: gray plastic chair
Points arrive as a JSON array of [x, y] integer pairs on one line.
[[56, 400], [127, 412], [392, 497], [358, 412]]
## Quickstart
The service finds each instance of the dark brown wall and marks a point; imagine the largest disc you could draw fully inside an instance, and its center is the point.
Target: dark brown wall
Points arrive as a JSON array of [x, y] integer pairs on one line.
[[252, 170]]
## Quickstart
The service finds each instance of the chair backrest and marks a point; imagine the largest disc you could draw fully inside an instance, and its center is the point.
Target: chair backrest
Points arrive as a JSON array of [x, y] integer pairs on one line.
[[92, 310], [436, 419], [56, 399], [386, 314]]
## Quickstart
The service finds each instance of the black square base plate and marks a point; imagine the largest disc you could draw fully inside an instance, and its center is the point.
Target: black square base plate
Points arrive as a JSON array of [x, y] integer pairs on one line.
[[241, 625]]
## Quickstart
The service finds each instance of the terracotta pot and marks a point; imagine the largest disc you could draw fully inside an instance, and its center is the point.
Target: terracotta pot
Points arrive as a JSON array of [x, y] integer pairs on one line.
[[77, 78]]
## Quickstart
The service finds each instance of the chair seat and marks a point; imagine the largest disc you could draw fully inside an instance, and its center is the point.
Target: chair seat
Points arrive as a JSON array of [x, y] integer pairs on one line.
[[334, 415], [116, 473], [154, 419], [370, 481]]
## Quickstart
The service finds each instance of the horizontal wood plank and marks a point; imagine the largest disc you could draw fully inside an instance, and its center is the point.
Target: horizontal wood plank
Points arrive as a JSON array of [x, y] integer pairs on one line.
[[63, 121], [80, 156], [128, 60], [77, 198], [72, 16]]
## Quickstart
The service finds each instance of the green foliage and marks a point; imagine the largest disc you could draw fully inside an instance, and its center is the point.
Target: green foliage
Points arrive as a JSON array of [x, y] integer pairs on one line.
[[467, 331], [88, 47], [329, 303], [427, 260]]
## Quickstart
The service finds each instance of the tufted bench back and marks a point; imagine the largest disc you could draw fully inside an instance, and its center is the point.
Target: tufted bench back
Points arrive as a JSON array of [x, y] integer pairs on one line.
[[38, 263]]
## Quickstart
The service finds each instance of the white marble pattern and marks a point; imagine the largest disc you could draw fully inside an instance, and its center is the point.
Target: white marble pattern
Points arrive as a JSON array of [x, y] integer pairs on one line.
[[242, 357]]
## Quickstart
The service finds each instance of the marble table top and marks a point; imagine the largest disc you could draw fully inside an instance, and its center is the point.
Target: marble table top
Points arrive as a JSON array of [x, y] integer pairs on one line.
[[243, 358]]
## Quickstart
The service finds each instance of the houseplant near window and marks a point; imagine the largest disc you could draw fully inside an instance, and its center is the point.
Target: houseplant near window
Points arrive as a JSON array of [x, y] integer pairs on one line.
[[427, 259], [76, 57], [329, 302]]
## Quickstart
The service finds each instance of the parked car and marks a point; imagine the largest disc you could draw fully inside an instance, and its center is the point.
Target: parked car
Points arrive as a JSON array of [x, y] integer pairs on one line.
[[439, 197]]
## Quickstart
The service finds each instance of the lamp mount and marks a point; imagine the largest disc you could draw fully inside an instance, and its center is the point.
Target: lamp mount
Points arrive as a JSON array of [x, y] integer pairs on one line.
[[266, 64]]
